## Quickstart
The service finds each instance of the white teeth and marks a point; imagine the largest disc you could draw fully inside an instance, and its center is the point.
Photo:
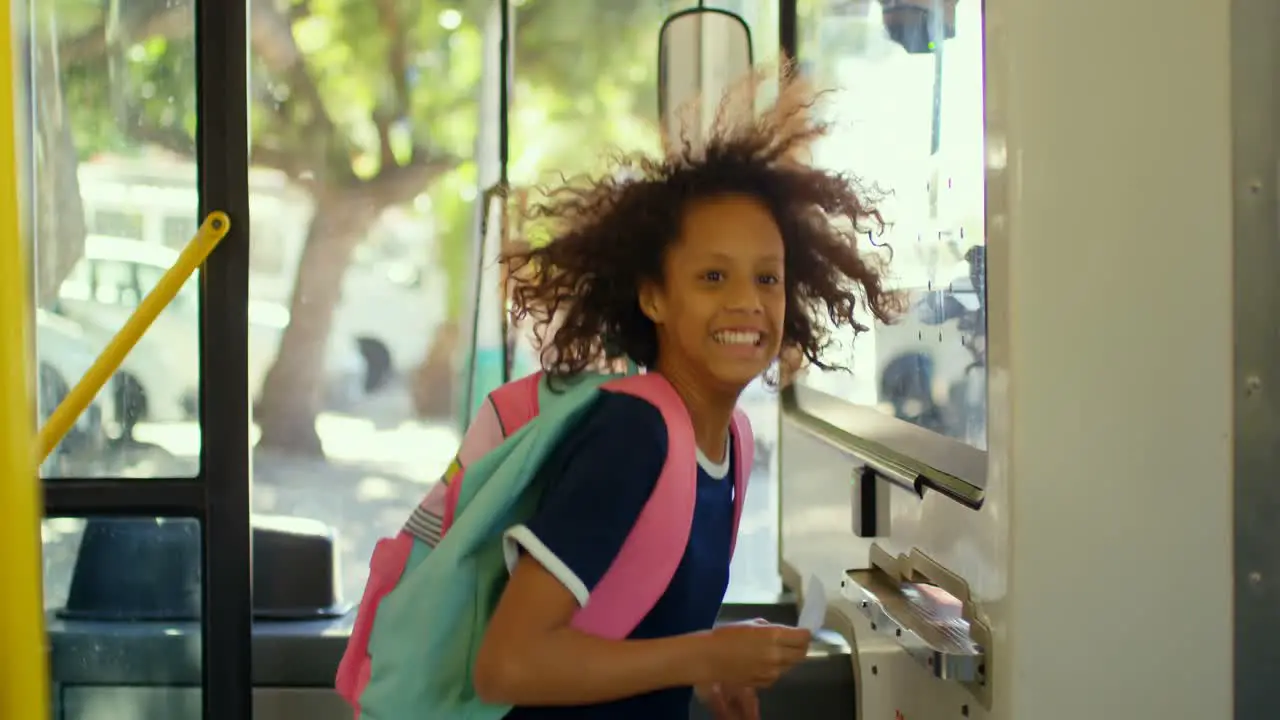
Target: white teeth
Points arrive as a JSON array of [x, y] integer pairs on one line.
[[737, 338]]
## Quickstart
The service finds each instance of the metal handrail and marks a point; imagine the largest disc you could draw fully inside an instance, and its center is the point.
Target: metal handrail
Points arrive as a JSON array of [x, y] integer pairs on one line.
[[211, 232], [901, 470]]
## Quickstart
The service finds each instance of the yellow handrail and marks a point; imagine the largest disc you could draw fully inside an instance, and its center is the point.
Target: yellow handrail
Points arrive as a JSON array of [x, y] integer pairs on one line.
[[215, 228], [24, 679]]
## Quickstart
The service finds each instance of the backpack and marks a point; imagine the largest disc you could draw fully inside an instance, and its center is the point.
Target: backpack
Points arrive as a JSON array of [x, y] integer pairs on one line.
[[433, 586]]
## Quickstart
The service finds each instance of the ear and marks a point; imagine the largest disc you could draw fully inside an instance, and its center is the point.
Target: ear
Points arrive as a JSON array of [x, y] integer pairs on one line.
[[651, 302]]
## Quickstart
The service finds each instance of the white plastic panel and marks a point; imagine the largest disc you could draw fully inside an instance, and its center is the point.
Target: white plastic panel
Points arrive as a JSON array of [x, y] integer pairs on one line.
[[1101, 558]]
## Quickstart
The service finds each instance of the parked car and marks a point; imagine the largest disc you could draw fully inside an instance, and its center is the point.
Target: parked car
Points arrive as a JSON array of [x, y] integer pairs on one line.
[[159, 380], [63, 356]]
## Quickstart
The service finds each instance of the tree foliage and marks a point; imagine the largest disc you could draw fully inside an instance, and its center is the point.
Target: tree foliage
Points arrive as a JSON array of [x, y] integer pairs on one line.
[[366, 104]]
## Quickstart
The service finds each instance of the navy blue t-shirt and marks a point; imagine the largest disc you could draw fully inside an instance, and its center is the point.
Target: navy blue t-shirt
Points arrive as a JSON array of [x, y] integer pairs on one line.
[[595, 484]]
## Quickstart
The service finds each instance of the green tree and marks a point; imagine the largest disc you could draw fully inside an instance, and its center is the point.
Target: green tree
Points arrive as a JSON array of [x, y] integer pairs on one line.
[[367, 104]]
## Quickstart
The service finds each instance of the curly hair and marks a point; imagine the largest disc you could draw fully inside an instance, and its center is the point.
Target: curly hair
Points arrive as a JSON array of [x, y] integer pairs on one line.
[[608, 234]]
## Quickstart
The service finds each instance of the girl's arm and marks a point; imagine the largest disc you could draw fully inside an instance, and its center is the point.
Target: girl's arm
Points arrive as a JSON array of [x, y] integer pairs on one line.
[[530, 655]]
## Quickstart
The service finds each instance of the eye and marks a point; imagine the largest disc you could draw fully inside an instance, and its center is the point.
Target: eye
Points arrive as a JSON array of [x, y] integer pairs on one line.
[[768, 279], [713, 276]]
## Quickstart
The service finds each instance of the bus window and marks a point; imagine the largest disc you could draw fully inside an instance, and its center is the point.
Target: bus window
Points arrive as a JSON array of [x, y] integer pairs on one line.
[[908, 111], [115, 284], [78, 284], [116, 96], [390, 186], [178, 231], [117, 224], [186, 301], [618, 110]]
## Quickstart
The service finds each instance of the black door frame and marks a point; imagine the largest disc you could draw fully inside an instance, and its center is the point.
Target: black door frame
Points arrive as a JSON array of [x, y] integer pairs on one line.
[[218, 497]]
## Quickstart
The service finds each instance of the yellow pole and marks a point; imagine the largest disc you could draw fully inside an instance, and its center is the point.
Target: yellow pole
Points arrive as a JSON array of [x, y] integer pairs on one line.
[[24, 680], [215, 228]]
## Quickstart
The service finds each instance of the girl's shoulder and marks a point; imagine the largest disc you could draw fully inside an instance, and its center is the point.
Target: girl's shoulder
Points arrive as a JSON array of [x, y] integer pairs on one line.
[[620, 409], [615, 428]]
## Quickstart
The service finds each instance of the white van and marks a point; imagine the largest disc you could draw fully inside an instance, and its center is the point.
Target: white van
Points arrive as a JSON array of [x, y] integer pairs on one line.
[[392, 294], [159, 379]]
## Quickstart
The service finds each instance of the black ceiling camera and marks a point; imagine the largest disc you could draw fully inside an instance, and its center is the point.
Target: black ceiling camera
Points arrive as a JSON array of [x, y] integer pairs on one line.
[[913, 25]]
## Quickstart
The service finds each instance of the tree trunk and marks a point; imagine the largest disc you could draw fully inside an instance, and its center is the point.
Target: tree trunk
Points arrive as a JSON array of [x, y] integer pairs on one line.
[[57, 208], [291, 391], [435, 380]]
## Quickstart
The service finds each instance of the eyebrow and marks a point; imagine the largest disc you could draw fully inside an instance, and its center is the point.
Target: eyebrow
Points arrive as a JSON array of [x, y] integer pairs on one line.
[[727, 256]]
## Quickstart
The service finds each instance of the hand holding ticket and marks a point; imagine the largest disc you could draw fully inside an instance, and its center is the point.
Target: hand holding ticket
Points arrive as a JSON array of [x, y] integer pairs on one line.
[[814, 610]]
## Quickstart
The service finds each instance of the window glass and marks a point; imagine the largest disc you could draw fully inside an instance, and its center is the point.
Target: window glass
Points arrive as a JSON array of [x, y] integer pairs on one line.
[[186, 301], [606, 99], [382, 154], [122, 599], [363, 189], [178, 231], [111, 94], [267, 246], [907, 108], [754, 576], [114, 283], [79, 282], [117, 224]]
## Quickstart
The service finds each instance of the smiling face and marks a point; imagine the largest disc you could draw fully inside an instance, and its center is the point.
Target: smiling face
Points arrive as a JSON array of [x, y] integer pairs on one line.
[[720, 307]]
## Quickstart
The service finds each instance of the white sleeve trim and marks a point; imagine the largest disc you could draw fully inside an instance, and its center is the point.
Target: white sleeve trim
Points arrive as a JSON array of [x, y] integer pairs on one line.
[[717, 470], [518, 537]]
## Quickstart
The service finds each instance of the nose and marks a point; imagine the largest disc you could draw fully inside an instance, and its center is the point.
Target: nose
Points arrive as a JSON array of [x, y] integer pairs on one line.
[[744, 296]]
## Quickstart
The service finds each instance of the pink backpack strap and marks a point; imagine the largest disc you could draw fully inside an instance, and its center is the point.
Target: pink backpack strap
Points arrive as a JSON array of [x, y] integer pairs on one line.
[[390, 556], [653, 549], [744, 456], [504, 411], [516, 403]]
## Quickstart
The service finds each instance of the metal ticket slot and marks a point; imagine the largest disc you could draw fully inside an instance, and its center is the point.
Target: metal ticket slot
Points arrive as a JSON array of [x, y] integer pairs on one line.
[[928, 612]]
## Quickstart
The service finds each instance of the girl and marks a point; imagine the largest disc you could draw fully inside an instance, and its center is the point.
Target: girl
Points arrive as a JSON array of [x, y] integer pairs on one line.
[[703, 266]]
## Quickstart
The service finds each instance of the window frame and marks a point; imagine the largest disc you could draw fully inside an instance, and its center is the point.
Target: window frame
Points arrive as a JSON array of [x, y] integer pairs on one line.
[[897, 451], [218, 497]]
